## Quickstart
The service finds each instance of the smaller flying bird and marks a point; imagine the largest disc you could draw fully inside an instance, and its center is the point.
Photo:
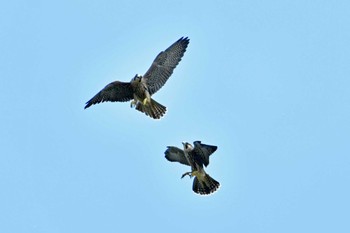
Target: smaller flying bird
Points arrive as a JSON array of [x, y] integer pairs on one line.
[[195, 157], [141, 88]]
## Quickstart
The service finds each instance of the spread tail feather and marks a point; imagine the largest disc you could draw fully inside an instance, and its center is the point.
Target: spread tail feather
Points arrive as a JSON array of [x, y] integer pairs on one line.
[[205, 186], [152, 109]]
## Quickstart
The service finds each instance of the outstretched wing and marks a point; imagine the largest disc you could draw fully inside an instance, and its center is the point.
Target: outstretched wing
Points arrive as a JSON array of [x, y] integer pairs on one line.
[[164, 65], [174, 154], [115, 91], [201, 152]]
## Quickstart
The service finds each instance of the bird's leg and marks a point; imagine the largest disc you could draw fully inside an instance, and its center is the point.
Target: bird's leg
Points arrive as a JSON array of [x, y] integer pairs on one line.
[[187, 173], [146, 101], [196, 173]]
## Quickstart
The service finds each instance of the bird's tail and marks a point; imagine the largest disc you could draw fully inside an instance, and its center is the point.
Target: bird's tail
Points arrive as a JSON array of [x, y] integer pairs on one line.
[[152, 109], [205, 185]]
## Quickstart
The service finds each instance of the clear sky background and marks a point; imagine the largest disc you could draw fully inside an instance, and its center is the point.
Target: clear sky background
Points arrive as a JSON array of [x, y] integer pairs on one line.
[[265, 81]]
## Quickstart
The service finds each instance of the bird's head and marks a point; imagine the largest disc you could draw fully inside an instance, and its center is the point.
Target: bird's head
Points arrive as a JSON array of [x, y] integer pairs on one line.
[[187, 146], [137, 78]]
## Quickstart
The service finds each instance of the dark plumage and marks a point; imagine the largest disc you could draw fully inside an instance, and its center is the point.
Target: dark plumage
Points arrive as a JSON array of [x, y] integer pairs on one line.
[[195, 157], [141, 88]]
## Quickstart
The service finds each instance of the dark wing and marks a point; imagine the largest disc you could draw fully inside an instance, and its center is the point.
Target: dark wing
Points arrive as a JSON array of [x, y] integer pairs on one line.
[[115, 91], [201, 152], [174, 154], [164, 65]]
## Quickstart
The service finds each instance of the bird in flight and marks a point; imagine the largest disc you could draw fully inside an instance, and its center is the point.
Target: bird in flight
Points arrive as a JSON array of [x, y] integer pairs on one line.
[[141, 88], [195, 157]]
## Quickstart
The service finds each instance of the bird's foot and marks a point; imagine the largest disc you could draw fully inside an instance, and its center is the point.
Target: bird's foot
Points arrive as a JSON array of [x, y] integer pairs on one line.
[[133, 104], [196, 173], [187, 173], [146, 101]]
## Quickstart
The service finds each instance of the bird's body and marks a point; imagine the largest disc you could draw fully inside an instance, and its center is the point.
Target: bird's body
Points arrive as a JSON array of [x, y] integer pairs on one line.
[[141, 88], [195, 157]]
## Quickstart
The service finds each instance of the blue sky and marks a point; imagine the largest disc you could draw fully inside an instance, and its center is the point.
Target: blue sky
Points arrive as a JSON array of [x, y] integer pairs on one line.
[[265, 81]]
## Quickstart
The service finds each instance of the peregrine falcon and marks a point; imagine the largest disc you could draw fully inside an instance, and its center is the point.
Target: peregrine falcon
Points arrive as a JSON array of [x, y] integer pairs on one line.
[[141, 88], [195, 157]]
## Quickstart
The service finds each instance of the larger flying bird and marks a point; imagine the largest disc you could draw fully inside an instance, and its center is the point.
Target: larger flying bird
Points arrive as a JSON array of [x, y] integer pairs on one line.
[[195, 157], [141, 88]]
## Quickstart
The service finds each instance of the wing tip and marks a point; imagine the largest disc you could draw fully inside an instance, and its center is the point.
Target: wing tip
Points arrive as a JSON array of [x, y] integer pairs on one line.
[[200, 143], [88, 104], [167, 154], [184, 40]]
